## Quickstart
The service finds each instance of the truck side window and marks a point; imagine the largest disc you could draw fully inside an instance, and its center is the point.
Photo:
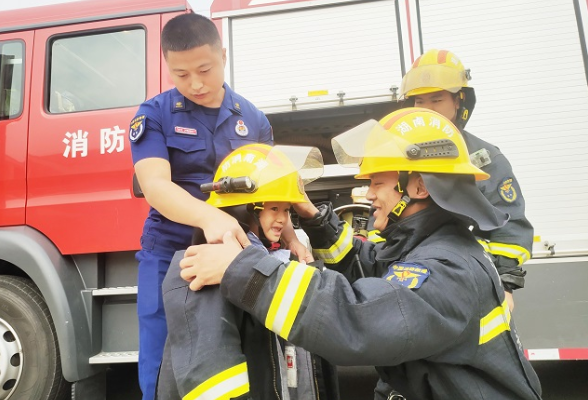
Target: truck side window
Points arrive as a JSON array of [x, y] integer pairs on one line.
[[11, 79], [97, 71]]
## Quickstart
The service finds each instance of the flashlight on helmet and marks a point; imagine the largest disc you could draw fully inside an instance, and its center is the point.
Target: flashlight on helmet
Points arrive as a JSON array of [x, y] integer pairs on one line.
[[226, 184]]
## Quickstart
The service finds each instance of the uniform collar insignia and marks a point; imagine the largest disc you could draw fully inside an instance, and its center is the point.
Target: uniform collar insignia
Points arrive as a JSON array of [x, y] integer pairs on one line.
[[231, 102]]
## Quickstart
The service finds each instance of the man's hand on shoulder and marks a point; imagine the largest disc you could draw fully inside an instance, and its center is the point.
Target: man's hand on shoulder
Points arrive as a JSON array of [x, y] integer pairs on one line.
[[206, 264]]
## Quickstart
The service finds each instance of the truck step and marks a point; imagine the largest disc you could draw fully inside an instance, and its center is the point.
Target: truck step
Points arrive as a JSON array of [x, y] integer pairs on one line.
[[115, 291], [115, 357]]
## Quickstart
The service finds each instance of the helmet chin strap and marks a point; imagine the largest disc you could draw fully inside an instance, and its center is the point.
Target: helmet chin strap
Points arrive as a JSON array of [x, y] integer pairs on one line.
[[404, 201], [397, 210]]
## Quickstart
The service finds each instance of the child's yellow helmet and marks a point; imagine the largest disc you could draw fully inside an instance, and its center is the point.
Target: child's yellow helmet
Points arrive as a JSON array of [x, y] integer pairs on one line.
[[257, 173]]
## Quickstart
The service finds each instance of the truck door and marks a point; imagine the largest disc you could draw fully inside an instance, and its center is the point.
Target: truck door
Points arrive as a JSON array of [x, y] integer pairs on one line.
[[88, 80], [15, 68]]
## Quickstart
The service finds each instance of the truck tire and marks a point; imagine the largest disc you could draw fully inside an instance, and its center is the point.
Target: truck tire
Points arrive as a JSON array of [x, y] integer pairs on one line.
[[30, 364]]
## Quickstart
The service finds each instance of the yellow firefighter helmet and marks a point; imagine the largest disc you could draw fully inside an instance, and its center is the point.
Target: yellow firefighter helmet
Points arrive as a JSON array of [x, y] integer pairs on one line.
[[257, 173], [411, 140]]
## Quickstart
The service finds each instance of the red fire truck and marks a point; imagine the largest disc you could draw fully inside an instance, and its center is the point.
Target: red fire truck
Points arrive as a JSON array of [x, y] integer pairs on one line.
[[72, 76]]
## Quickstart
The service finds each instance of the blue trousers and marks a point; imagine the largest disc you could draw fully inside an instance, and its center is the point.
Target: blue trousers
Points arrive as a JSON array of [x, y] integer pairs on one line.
[[152, 326], [159, 242]]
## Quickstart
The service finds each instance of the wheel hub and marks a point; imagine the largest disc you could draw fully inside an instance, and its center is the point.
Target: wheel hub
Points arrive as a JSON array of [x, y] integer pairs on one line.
[[10, 360]]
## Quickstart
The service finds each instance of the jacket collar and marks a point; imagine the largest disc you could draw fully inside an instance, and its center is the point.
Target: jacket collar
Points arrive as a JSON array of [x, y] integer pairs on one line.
[[406, 234], [231, 102]]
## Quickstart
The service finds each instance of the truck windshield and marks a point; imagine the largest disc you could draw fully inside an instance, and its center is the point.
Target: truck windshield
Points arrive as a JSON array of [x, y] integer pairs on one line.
[[97, 71]]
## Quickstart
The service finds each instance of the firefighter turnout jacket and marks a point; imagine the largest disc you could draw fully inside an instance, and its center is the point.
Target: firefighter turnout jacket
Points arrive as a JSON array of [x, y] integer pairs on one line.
[[216, 351], [431, 314], [511, 245]]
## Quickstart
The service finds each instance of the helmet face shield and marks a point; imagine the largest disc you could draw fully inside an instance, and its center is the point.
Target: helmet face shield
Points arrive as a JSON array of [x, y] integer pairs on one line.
[[410, 139], [259, 173], [308, 161], [351, 147]]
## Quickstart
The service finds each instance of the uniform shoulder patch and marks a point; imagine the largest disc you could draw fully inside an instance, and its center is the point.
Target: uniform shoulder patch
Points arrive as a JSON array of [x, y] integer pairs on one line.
[[507, 191], [407, 274], [137, 128]]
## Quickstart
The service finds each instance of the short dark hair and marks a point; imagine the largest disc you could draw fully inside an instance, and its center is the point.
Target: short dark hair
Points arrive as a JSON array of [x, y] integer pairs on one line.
[[188, 31]]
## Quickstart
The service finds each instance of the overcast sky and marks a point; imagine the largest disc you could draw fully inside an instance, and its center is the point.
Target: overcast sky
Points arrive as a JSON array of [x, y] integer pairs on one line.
[[199, 6]]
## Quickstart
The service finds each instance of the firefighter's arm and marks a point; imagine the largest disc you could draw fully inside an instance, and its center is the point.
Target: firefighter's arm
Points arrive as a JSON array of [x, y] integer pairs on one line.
[[176, 204], [370, 322], [333, 243], [511, 245]]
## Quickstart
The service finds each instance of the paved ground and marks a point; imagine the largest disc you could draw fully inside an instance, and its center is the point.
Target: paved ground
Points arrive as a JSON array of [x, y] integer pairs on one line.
[[561, 380]]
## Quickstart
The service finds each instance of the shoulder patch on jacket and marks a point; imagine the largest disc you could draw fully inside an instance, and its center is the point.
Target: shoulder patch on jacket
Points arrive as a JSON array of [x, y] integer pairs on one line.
[[507, 191], [137, 128], [407, 274]]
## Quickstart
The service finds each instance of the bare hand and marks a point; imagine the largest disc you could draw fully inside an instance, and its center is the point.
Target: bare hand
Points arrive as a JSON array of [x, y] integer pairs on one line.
[[298, 249], [217, 223], [509, 300], [206, 264]]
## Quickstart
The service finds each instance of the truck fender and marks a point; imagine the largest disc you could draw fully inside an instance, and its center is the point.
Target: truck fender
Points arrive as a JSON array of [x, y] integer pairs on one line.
[[61, 285]]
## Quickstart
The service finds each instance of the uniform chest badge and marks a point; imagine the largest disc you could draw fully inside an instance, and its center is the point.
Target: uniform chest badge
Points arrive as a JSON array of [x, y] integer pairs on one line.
[[186, 131], [407, 274], [507, 190], [137, 128], [241, 129]]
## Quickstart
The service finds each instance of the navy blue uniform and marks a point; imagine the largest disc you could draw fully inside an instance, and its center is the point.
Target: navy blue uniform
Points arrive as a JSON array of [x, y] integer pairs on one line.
[[431, 314], [194, 142], [511, 245]]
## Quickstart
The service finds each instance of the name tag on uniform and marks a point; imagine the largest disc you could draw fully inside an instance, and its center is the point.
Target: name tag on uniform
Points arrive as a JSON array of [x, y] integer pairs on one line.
[[407, 274], [186, 131]]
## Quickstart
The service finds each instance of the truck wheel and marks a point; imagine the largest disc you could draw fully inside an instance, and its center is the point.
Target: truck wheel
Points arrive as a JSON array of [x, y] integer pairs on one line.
[[30, 365]]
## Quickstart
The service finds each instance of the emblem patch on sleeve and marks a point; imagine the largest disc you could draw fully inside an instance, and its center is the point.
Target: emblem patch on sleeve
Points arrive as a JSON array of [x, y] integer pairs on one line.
[[407, 274], [507, 190], [137, 128]]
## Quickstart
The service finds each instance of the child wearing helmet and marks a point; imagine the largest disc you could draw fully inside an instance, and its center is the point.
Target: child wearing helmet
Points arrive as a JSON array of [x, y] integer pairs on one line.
[[214, 350], [438, 81], [431, 314]]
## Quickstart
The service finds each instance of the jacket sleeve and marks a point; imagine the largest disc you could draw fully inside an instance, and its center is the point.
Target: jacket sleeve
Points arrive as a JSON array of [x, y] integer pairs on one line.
[[511, 245], [333, 243], [204, 340], [370, 322]]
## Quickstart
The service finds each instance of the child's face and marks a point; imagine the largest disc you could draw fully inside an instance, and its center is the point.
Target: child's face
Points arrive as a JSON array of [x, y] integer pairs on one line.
[[273, 218], [199, 74]]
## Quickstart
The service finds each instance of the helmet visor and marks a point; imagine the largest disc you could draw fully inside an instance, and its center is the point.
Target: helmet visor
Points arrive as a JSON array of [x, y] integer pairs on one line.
[[432, 78], [308, 161], [416, 140], [369, 140]]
